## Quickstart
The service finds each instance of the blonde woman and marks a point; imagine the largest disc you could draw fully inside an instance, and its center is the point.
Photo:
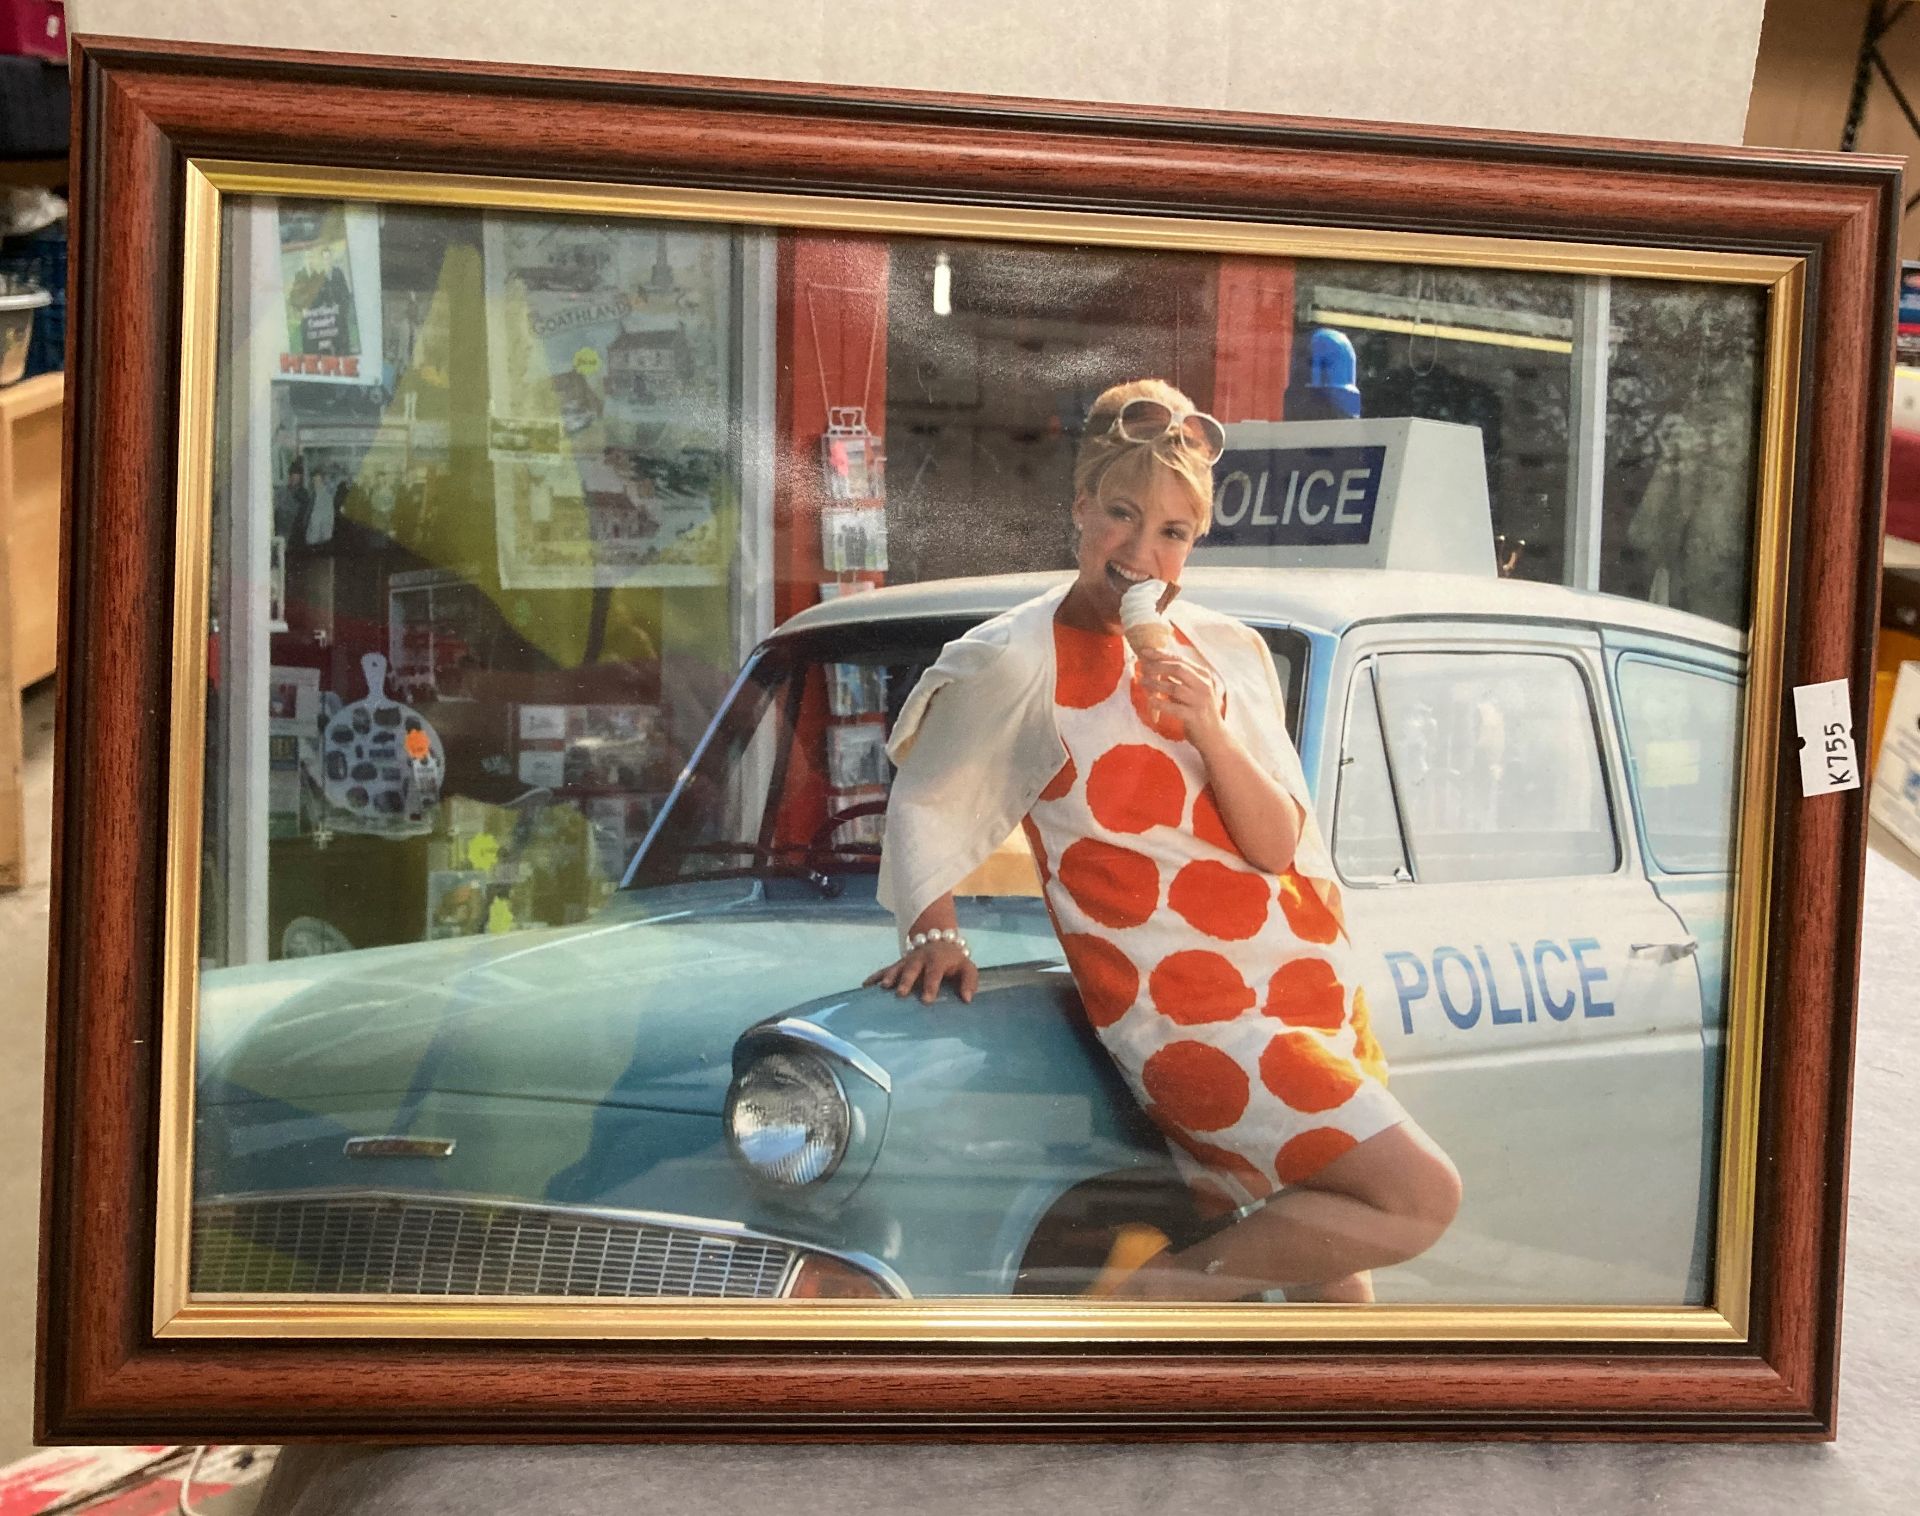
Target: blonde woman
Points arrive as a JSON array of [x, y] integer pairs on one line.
[[1140, 741]]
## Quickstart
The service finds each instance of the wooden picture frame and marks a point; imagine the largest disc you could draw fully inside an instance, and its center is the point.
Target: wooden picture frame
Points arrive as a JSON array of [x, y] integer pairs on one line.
[[162, 131]]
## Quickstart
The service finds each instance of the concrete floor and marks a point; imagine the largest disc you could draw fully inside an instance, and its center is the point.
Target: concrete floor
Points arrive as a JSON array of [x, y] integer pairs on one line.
[[23, 1010]]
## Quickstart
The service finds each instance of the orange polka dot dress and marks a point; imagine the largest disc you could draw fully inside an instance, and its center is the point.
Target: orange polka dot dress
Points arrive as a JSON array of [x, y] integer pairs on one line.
[[1223, 992]]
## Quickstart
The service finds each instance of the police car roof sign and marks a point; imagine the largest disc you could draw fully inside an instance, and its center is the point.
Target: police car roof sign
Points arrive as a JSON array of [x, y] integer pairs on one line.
[[1388, 492]]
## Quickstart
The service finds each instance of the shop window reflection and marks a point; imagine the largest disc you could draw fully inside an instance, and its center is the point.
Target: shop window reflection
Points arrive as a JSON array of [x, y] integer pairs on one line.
[[562, 475], [481, 455]]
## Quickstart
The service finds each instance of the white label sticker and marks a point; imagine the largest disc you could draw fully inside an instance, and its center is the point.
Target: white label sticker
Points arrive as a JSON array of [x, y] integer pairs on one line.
[[1828, 762]]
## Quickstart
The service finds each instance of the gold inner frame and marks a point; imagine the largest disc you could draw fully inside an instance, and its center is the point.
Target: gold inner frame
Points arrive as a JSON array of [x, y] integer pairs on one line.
[[177, 1313]]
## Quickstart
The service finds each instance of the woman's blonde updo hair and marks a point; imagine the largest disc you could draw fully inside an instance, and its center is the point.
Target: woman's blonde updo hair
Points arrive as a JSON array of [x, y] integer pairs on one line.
[[1109, 462]]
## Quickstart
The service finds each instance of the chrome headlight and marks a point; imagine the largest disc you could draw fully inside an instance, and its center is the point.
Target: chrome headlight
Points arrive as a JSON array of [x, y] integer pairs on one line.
[[788, 1118]]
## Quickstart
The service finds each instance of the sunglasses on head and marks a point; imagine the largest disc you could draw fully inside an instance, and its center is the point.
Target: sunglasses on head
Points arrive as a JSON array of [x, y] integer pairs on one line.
[[1144, 420]]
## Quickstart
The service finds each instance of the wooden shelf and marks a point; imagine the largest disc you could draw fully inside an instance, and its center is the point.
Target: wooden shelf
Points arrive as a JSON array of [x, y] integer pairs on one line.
[[30, 417], [34, 173]]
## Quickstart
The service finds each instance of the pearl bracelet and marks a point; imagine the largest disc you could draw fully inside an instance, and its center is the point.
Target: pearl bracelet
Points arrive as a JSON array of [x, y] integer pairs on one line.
[[939, 934]]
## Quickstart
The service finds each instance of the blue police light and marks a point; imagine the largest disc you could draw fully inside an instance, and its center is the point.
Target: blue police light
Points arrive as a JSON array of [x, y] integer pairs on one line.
[[1324, 374]]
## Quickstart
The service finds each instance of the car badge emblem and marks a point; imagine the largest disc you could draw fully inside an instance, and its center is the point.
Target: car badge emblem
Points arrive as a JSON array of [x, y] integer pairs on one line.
[[399, 1147]]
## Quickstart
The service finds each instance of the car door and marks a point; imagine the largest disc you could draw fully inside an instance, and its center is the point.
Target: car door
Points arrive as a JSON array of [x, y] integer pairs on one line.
[[1535, 997], [1680, 711]]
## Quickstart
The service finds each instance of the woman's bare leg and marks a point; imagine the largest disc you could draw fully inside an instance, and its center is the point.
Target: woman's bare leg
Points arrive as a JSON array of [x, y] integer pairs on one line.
[[1385, 1201]]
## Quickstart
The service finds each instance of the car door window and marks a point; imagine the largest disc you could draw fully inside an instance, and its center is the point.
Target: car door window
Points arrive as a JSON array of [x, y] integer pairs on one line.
[[1495, 761], [796, 776], [1289, 650], [1682, 730], [1367, 846]]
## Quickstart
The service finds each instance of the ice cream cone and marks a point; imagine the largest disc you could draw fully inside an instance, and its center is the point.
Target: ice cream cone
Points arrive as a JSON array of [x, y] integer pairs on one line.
[[1141, 620], [1150, 636]]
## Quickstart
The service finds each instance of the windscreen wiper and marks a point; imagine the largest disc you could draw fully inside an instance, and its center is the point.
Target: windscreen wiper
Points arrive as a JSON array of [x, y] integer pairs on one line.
[[765, 866]]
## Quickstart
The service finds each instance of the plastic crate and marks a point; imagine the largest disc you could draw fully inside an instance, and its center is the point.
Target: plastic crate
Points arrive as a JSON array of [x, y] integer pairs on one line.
[[42, 257]]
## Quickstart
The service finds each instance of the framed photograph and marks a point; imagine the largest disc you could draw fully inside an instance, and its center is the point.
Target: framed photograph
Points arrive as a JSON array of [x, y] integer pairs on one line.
[[1291, 903]]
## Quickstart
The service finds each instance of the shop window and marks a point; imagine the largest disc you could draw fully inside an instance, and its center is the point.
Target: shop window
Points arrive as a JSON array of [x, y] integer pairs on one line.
[[1491, 352], [987, 388], [1616, 417], [1681, 420], [506, 500], [480, 552]]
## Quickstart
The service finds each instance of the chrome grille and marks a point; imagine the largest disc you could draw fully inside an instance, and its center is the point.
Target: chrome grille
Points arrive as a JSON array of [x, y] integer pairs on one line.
[[379, 1244]]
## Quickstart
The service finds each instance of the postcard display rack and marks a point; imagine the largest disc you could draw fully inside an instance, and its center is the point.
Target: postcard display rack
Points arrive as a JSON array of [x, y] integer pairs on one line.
[[853, 548]]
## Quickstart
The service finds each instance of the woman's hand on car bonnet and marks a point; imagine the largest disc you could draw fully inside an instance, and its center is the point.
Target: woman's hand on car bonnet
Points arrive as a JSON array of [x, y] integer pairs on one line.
[[927, 967]]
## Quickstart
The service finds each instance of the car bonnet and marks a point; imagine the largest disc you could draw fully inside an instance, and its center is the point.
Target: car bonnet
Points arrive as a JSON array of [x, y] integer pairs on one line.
[[641, 1012]]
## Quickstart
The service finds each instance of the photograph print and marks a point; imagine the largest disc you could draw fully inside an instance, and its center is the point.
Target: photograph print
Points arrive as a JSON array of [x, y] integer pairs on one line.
[[1245, 808]]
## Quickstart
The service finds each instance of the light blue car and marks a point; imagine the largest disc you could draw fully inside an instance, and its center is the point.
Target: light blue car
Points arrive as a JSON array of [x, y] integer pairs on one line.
[[1529, 793]]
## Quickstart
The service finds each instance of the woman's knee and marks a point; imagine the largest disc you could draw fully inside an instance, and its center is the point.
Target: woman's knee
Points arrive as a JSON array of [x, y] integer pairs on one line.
[[1403, 1173], [1422, 1203], [1434, 1191]]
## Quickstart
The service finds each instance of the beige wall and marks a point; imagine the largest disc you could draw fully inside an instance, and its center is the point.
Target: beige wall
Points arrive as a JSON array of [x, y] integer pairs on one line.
[[1526, 65]]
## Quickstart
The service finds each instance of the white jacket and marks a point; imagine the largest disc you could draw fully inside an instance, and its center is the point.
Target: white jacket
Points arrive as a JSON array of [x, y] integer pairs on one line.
[[976, 742]]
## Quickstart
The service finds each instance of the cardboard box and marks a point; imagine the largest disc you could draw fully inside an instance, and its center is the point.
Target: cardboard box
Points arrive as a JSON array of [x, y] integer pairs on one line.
[[1895, 801]]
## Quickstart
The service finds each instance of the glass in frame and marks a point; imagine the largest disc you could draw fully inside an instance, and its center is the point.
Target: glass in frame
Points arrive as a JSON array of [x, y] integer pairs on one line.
[[546, 787]]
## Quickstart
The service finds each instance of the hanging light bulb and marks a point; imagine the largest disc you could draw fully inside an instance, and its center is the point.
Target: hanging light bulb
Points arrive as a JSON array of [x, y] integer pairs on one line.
[[942, 286]]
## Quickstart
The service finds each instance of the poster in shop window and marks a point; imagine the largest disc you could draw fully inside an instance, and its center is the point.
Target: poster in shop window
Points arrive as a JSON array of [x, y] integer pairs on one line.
[[328, 278], [608, 402]]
